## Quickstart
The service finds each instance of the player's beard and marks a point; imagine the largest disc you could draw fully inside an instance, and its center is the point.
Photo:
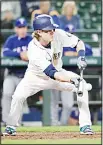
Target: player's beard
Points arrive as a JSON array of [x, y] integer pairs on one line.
[[48, 39]]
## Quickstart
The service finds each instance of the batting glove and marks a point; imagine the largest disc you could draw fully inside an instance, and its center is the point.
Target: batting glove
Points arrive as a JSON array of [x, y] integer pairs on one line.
[[81, 62], [75, 81]]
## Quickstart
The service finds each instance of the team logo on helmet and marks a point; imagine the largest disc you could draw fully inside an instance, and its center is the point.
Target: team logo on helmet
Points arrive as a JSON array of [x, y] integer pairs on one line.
[[21, 20]]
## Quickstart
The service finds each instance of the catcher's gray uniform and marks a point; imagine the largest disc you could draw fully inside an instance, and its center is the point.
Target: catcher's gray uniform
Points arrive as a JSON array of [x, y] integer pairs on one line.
[[67, 101]]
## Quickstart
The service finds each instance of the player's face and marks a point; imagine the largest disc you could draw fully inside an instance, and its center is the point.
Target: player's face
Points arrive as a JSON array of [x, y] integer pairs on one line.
[[47, 35], [21, 32]]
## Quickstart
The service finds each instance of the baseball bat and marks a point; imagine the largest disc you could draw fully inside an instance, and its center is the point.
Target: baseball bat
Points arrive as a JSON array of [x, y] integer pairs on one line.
[[80, 87]]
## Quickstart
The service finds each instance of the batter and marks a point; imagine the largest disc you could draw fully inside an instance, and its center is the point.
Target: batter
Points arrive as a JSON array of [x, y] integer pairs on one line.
[[45, 71]]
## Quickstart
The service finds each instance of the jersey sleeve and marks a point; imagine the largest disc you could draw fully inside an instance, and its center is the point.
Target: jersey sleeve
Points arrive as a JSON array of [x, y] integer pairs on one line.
[[8, 49], [68, 39], [38, 59]]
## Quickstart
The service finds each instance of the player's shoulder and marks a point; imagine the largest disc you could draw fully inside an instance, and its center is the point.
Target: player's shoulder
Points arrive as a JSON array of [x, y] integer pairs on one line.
[[35, 46], [61, 32], [76, 17], [12, 37], [32, 45], [33, 49]]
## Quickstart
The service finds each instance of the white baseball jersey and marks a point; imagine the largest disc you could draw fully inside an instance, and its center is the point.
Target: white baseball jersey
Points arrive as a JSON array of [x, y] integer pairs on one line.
[[40, 57]]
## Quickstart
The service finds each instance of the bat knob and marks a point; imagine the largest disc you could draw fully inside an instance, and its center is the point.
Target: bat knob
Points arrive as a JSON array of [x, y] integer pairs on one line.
[[88, 86]]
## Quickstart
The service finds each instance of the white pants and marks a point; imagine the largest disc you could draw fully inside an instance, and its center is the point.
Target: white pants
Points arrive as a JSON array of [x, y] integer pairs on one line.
[[31, 84], [9, 85]]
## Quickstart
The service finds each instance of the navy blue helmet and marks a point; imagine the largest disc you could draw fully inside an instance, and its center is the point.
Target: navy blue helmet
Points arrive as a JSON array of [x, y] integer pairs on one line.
[[44, 22]]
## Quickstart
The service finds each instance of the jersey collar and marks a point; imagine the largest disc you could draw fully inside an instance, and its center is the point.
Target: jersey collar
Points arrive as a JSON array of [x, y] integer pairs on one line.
[[37, 43]]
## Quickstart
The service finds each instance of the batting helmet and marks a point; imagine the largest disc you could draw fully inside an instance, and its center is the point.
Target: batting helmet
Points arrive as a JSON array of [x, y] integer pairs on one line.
[[44, 22]]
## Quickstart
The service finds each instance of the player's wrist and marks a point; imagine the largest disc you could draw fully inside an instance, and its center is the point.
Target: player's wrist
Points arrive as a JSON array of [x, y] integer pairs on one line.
[[81, 53]]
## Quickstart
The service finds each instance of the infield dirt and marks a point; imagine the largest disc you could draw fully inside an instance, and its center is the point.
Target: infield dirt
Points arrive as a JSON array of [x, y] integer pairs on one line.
[[49, 135]]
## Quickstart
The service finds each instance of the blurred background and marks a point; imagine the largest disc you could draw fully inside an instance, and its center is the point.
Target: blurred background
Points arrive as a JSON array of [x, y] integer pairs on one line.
[[83, 18]]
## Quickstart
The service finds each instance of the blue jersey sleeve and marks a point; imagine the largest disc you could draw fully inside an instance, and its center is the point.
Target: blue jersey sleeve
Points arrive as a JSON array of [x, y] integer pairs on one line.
[[50, 71], [88, 50], [8, 49]]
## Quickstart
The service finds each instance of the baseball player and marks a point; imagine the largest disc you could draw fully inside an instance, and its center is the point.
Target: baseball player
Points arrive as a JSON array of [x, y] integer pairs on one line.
[[45, 71], [15, 46]]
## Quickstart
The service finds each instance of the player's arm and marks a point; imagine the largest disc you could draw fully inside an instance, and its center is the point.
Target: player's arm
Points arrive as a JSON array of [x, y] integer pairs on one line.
[[51, 71], [38, 60], [59, 75], [70, 40], [24, 56], [80, 47], [8, 49]]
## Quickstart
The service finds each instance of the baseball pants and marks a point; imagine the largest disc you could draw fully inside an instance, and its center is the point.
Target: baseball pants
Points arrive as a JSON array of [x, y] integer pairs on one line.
[[9, 85], [31, 84], [67, 100]]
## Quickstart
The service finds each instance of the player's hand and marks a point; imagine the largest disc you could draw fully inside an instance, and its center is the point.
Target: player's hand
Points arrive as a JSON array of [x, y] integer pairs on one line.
[[23, 55], [75, 81], [81, 62]]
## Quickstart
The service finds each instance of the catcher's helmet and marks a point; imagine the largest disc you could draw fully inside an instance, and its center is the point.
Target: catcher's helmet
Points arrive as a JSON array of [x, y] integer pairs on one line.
[[44, 22]]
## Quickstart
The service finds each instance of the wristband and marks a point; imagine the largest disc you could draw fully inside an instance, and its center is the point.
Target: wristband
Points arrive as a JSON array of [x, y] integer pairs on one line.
[[81, 53]]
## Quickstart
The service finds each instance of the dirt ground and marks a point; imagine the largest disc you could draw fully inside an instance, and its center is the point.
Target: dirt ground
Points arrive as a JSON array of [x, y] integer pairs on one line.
[[49, 135]]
